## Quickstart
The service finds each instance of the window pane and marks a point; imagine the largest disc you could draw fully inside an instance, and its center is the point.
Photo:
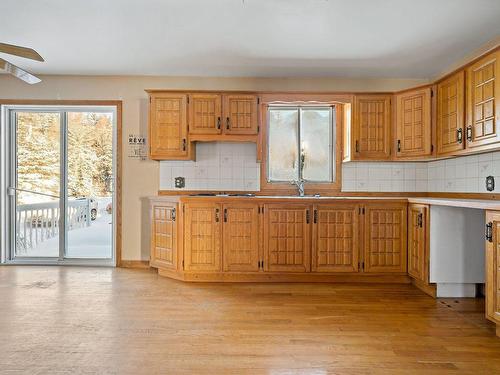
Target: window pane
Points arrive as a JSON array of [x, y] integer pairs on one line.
[[90, 171], [316, 140], [283, 139]]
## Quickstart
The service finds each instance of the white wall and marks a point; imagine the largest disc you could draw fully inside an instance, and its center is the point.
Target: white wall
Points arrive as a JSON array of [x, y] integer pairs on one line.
[[218, 166], [465, 174]]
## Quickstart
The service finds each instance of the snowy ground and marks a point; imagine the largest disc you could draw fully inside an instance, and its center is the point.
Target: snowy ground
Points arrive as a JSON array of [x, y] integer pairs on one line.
[[94, 241]]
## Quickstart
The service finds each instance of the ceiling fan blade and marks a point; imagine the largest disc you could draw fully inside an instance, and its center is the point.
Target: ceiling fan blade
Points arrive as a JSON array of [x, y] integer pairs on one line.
[[18, 72], [27, 53]]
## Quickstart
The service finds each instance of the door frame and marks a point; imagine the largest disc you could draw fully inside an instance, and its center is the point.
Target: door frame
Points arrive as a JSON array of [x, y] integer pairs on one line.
[[5, 147]]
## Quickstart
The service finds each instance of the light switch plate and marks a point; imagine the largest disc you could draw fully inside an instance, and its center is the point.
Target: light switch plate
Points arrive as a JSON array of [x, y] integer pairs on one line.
[[180, 182], [490, 183]]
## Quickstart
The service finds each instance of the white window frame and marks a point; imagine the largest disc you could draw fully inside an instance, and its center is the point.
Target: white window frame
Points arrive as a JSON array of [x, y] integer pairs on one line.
[[331, 147]]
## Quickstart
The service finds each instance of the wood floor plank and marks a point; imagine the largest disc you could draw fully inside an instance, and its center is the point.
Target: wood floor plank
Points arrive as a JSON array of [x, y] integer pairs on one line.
[[83, 320]]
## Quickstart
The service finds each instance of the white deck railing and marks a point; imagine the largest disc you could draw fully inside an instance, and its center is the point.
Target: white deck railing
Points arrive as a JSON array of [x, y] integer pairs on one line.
[[38, 222]]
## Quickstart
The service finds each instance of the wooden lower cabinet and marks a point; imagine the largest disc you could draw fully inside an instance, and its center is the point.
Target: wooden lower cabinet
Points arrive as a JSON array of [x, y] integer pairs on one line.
[[335, 242], [202, 237], [244, 239], [385, 237], [287, 237], [164, 235], [241, 237], [418, 260], [493, 267]]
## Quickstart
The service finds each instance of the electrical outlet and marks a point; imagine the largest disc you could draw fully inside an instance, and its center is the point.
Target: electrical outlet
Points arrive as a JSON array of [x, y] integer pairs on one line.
[[490, 183], [180, 182]]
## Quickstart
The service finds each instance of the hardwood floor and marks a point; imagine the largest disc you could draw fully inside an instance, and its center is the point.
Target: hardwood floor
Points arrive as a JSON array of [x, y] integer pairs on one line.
[[123, 321]]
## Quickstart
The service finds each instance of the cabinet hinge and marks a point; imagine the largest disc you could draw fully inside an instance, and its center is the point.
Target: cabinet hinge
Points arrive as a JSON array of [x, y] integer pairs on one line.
[[315, 216], [363, 210], [432, 93], [307, 216], [188, 99], [258, 129], [258, 100], [432, 148]]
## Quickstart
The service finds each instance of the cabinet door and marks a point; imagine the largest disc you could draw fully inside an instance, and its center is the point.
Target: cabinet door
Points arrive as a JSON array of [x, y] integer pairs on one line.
[[240, 114], [202, 237], [418, 258], [450, 132], [287, 237], [413, 123], [240, 251], [168, 126], [205, 114], [371, 127], [335, 238], [483, 112], [385, 237], [493, 268], [164, 236]]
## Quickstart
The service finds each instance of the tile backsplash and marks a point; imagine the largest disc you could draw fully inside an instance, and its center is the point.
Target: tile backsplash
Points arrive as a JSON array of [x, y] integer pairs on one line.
[[218, 166], [465, 174], [232, 166]]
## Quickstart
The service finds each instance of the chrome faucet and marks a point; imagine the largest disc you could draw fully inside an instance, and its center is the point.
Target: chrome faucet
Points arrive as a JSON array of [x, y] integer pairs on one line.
[[300, 185]]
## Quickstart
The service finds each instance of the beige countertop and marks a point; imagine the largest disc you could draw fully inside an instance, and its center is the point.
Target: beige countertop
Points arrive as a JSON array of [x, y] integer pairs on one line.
[[483, 204]]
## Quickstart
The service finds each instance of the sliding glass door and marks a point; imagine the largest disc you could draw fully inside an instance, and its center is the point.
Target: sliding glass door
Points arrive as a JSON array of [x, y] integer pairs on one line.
[[61, 177], [37, 176]]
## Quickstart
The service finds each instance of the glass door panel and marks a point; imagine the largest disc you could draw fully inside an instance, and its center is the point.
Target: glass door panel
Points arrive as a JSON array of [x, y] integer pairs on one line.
[[89, 204], [37, 183]]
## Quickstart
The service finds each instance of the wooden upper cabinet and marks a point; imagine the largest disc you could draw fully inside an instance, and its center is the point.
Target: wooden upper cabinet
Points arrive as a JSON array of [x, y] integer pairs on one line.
[[202, 237], [240, 114], [371, 127], [493, 267], [335, 238], [287, 237], [413, 123], [164, 236], [450, 131], [385, 237], [205, 113], [241, 237], [168, 126], [418, 258], [483, 101]]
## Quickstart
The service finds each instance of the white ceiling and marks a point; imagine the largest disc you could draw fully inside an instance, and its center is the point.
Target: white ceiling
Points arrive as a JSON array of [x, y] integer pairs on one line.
[[341, 38]]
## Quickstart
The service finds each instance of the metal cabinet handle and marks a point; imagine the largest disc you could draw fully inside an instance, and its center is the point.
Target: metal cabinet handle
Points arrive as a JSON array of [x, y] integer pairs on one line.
[[218, 122], [420, 220], [399, 145], [469, 133], [459, 135], [184, 144], [225, 215], [357, 146], [216, 215], [227, 123], [488, 233]]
